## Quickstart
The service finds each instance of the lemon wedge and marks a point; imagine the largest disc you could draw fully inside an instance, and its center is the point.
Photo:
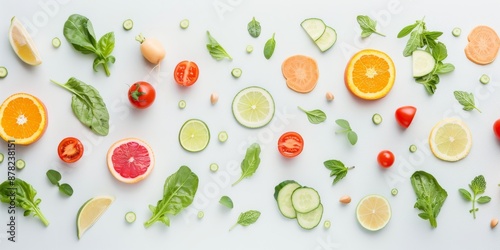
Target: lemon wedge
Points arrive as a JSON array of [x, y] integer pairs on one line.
[[23, 44]]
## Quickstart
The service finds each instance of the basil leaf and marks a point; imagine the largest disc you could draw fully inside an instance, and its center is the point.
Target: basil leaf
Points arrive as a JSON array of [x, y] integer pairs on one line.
[[343, 123], [439, 52], [106, 44], [314, 116], [412, 44], [66, 189], [250, 163], [430, 196], [88, 106], [216, 50], [432, 35], [443, 68], [226, 201], [338, 169], [247, 218], [254, 28], [24, 197], [54, 176], [178, 193], [269, 47], [352, 137], [406, 30], [79, 32]]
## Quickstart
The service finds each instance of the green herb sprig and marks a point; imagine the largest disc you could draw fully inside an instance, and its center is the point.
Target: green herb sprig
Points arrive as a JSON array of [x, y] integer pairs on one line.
[[215, 49], [368, 26], [466, 100], [478, 187], [25, 197], [315, 116], [250, 163], [351, 135], [54, 178], [247, 218], [338, 169]]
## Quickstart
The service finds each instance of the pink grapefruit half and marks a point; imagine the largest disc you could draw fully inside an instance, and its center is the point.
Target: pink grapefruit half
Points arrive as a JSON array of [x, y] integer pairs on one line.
[[130, 160]]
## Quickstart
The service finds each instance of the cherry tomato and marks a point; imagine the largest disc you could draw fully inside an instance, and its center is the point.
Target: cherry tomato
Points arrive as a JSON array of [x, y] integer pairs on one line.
[[405, 114], [385, 158], [496, 128], [290, 144], [141, 94], [186, 73], [70, 149]]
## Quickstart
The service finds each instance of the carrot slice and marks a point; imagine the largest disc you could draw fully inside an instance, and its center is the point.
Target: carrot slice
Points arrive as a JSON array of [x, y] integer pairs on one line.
[[301, 73], [483, 45]]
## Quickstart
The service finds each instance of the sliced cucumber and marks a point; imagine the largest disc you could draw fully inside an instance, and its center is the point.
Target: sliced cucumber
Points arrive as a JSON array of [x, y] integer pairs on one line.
[[312, 219], [314, 27], [327, 40], [284, 199], [305, 200], [130, 217], [423, 63]]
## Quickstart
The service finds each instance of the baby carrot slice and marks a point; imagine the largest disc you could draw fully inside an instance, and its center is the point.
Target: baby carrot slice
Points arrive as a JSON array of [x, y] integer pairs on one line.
[[301, 73], [483, 45]]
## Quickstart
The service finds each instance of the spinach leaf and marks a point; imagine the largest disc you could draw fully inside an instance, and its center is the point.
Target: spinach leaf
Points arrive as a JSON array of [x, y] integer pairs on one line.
[[66, 189], [430, 196], [88, 105], [226, 201], [25, 197], [178, 193], [54, 176], [247, 218], [269, 47], [315, 116], [368, 26], [79, 32], [215, 49], [254, 28], [250, 163]]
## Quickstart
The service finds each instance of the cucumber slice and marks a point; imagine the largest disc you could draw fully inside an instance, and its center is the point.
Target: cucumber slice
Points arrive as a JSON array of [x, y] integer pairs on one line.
[[284, 198], [327, 40], [314, 27], [305, 200], [423, 63], [312, 219]]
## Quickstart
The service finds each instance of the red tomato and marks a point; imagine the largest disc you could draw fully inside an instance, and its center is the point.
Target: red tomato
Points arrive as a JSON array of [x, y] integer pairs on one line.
[[186, 73], [496, 128], [405, 114], [141, 95], [290, 144], [70, 149], [385, 158]]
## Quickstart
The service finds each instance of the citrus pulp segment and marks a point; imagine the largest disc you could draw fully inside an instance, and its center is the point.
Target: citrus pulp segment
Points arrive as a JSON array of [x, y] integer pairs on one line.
[[130, 160], [194, 135], [23, 44], [450, 139], [90, 212], [373, 212], [23, 119], [253, 107], [370, 74]]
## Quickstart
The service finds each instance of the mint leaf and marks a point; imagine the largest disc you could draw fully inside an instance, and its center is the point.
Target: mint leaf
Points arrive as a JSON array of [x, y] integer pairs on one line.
[[314, 116], [466, 100]]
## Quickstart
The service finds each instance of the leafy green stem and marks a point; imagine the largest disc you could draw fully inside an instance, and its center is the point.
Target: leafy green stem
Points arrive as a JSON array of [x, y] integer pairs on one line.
[[474, 205], [74, 92], [235, 224], [40, 215]]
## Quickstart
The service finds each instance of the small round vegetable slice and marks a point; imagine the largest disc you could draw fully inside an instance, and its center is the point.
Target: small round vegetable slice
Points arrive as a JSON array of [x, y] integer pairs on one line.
[[413, 148], [56, 42], [1, 157], [182, 104], [214, 167], [3, 72], [385, 158], [128, 24], [290, 144], [20, 164], [200, 214], [376, 119], [236, 72], [483, 45], [130, 217], [222, 136], [305, 199], [249, 48], [184, 23], [394, 191], [327, 224], [404, 115], [484, 79], [70, 149], [456, 32], [186, 73]]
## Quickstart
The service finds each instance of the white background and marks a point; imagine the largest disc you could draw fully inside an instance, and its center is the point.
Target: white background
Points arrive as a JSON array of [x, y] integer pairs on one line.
[[159, 125]]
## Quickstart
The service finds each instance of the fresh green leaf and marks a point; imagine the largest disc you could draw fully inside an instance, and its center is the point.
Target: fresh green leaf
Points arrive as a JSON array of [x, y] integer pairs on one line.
[[178, 193], [343, 124], [215, 49], [429, 81], [24, 195], [412, 44], [466, 100], [226, 201], [66, 189], [443, 68], [54, 176], [351, 135], [407, 30], [430, 196], [269, 47], [368, 26], [315, 116], [432, 35], [478, 187], [250, 163], [465, 194], [439, 52], [483, 199], [254, 28], [88, 106], [337, 168], [247, 218], [106, 44]]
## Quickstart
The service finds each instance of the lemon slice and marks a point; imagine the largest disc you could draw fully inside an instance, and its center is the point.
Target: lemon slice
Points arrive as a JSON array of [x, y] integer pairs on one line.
[[450, 140], [194, 135], [373, 212], [90, 212], [23, 45], [253, 107]]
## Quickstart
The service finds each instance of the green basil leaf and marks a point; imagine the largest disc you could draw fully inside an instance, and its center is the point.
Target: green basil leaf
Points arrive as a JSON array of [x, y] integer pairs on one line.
[[343, 124], [66, 189], [412, 44], [250, 163], [444, 68], [254, 28], [432, 35], [79, 32], [247, 218], [226, 201], [352, 137], [106, 44], [269, 47], [54, 176], [215, 49], [439, 52], [314, 116], [406, 30]]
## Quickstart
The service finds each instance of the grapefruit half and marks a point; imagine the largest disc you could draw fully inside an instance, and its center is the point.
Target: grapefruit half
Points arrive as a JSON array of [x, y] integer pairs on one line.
[[130, 160]]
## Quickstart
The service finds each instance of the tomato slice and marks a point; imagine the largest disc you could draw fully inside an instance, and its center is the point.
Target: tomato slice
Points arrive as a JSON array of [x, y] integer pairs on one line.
[[290, 144], [404, 115], [186, 73], [70, 149]]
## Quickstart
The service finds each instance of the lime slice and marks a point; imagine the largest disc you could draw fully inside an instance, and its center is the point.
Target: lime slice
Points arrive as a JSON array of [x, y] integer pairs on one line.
[[90, 212], [253, 107], [373, 212], [194, 135]]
